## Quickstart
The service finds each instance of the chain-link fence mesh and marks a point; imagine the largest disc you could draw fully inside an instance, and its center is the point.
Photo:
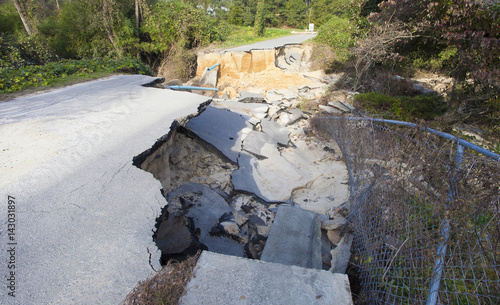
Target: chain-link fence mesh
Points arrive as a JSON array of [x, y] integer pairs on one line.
[[423, 219]]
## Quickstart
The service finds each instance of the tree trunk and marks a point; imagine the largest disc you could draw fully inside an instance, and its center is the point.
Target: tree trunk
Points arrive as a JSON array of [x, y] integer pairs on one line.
[[25, 21], [108, 27], [258, 28], [137, 27]]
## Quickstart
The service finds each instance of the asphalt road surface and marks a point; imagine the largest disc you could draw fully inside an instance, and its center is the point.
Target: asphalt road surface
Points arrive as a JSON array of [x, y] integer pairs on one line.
[[76, 216], [273, 43]]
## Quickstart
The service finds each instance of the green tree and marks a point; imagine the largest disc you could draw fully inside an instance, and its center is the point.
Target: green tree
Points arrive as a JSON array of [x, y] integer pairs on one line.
[[258, 29], [236, 15], [296, 12], [324, 10]]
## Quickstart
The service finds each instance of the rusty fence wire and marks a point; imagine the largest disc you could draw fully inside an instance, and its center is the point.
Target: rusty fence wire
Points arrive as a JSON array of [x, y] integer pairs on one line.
[[424, 211]]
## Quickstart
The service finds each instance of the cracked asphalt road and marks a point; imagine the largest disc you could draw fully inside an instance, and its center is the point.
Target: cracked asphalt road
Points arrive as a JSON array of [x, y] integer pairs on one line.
[[273, 43], [83, 212]]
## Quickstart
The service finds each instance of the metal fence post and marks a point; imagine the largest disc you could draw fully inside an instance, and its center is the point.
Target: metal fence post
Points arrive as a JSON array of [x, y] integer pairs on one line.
[[445, 233]]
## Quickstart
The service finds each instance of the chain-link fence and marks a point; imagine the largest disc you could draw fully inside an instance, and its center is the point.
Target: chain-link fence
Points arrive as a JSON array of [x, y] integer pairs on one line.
[[425, 214]]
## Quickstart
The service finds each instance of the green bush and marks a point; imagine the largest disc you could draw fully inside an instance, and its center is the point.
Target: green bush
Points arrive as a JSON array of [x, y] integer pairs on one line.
[[45, 75], [404, 108], [9, 19], [337, 33]]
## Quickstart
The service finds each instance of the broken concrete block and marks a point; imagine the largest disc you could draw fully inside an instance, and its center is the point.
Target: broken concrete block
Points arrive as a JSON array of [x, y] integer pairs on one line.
[[272, 179], [275, 131], [330, 109], [339, 106], [205, 208], [209, 77], [341, 254], [173, 235], [223, 129], [333, 224], [247, 97], [295, 239], [255, 143], [287, 94], [254, 112], [272, 96], [291, 116]]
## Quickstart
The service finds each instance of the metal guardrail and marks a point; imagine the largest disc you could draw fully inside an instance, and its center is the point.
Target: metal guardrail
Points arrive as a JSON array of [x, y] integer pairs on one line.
[[445, 135], [438, 213]]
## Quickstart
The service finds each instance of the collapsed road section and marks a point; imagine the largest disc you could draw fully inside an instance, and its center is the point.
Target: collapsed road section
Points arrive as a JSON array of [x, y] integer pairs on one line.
[[225, 171]]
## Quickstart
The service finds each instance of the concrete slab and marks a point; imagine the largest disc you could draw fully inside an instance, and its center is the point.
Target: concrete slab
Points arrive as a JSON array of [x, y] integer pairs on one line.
[[330, 109], [84, 213], [339, 106], [222, 279], [276, 131], [223, 129], [272, 179], [253, 111], [246, 97], [287, 94], [342, 254], [256, 142], [295, 239], [209, 77]]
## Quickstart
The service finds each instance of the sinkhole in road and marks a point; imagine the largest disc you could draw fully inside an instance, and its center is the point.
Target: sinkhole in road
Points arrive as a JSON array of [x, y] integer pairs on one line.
[[224, 178], [203, 211]]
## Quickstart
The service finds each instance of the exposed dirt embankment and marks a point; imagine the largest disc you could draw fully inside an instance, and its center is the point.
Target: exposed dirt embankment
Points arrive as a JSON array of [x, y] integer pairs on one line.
[[258, 70]]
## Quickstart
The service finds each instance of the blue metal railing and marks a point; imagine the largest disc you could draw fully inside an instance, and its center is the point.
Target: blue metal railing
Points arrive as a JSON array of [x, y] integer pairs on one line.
[[445, 135]]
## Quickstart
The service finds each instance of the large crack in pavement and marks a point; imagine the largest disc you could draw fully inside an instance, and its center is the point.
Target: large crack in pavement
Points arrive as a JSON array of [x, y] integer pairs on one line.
[[225, 170]]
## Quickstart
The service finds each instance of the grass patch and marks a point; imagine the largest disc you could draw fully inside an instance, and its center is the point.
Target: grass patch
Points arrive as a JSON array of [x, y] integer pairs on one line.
[[166, 287], [404, 108], [57, 83], [65, 72], [242, 35]]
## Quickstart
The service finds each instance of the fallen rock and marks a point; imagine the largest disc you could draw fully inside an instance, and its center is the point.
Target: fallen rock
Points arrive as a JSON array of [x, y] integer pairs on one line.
[[341, 254], [173, 236], [254, 248], [178, 154], [333, 236], [230, 92], [176, 239], [206, 207]]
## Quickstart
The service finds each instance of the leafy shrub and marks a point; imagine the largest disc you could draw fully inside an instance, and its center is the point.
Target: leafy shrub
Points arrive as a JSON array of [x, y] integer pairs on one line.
[[437, 62], [44, 75], [338, 34], [405, 108], [9, 18]]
